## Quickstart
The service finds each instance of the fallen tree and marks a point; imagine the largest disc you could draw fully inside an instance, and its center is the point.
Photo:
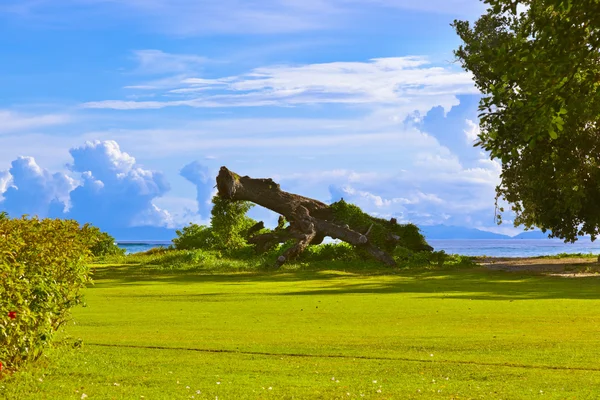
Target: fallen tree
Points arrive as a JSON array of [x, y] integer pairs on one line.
[[310, 221]]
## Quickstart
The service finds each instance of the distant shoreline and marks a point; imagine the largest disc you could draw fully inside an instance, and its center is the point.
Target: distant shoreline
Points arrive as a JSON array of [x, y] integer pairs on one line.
[[143, 242]]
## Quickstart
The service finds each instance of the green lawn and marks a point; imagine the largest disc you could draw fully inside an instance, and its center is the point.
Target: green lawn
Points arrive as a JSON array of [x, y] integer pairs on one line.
[[403, 334]]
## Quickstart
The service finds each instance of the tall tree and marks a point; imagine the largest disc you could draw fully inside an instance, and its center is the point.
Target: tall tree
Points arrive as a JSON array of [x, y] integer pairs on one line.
[[537, 64]]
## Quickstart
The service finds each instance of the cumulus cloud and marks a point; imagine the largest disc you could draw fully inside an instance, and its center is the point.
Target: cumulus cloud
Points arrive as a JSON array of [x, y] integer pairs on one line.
[[5, 179], [201, 177], [115, 191], [33, 190], [383, 81], [415, 206], [428, 184], [111, 191], [472, 132]]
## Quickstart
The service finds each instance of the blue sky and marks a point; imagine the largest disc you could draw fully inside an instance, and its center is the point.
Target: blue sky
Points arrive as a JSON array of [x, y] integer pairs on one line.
[[120, 112]]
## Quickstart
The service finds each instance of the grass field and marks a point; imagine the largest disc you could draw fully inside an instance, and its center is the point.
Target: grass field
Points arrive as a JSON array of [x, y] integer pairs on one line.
[[388, 334]]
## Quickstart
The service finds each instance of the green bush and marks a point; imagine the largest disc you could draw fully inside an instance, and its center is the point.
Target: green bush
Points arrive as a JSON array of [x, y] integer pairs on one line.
[[329, 252], [156, 250], [437, 259], [402, 254], [409, 235], [43, 266], [229, 223], [194, 236], [228, 230], [102, 243], [181, 259]]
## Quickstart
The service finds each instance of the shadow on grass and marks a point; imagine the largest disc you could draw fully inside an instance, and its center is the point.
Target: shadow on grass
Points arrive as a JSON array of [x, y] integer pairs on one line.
[[472, 283]]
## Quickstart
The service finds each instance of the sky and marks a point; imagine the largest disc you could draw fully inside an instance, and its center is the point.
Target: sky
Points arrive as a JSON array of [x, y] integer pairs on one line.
[[121, 112]]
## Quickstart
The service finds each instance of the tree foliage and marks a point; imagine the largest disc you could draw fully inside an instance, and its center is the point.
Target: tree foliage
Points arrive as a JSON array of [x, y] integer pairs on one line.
[[194, 236], [538, 67], [102, 244], [228, 230], [230, 223]]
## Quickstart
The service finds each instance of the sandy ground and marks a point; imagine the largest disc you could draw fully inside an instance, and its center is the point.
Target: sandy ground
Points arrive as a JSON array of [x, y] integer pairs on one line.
[[566, 267]]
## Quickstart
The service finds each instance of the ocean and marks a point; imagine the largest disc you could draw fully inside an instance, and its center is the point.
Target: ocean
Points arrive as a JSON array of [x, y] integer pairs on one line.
[[514, 247], [141, 246], [467, 247]]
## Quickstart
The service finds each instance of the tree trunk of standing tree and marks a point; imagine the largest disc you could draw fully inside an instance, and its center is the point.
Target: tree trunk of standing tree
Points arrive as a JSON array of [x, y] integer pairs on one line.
[[310, 220]]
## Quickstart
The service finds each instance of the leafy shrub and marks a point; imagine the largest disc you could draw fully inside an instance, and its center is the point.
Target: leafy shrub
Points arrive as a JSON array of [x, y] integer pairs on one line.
[[179, 259], [43, 266], [455, 260], [228, 230], [102, 243], [403, 254], [438, 259], [229, 223], [156, 250], [409, 235], [330, 252], [419, 259], [194, 236]]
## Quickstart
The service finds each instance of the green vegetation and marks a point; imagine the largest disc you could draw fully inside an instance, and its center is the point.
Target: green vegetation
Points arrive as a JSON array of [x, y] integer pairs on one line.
[[43, 266], [230, 223], [570, 255], [194, 236], [302, 333], [408, 234], [316, 257], [103, 244], [228, 230], [539, 73]]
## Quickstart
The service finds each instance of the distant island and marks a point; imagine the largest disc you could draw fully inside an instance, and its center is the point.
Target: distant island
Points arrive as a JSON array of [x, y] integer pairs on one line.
[[438, 232]]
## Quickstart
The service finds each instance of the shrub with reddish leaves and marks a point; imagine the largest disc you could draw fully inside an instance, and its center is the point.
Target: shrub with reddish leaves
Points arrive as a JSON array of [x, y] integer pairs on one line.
[[43, 266]]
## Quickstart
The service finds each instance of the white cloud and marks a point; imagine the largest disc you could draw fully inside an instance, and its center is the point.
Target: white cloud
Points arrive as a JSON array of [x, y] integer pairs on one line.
[[472, 132], [116, 191], [182, 210], [203, 179], [5, 179], [454, 198], [12, 122], [34, 190], [291, 137], [159, 62], [415, 206], [400, 81]]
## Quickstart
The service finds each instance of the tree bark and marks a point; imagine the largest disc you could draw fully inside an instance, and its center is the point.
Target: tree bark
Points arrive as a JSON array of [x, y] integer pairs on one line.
[[310, 220]]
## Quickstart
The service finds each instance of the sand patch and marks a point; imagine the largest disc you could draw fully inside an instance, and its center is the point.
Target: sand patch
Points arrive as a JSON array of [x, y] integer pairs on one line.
[[564, 267]]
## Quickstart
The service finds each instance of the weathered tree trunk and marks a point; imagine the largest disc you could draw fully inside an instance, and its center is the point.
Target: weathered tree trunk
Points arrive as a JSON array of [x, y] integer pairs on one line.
[[310, 220]]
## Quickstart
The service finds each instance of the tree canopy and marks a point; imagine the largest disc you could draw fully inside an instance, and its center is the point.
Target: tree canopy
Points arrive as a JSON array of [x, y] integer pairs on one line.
[[537, 64]]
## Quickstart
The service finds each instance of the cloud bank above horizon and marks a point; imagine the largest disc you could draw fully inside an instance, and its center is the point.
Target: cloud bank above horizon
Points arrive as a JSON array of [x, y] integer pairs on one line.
[[120, 113], [105, 186]]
